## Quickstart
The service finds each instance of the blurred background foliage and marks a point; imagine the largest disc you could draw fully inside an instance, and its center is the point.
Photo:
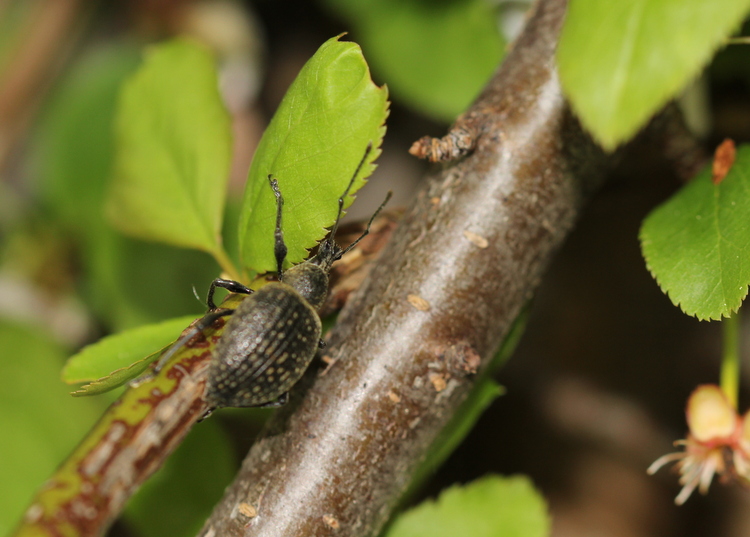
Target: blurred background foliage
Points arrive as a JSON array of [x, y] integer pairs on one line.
[[596, 389]]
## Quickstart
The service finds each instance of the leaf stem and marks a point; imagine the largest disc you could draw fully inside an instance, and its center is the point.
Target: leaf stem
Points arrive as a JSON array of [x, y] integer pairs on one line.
[[730, 361], [227, 267]]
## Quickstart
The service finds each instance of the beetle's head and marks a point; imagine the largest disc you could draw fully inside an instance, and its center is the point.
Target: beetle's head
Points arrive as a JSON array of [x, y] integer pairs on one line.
[[328, 253]]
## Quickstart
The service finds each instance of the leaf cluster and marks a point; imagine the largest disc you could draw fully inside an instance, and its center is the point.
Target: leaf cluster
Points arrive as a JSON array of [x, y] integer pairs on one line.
[[171, 168]]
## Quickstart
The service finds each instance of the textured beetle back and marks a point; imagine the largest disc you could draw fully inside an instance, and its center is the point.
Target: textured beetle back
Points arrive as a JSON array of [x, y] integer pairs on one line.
[[268, 343]]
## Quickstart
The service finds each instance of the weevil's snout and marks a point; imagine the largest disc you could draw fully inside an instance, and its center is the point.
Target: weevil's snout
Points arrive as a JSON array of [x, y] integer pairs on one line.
[[328, 253]]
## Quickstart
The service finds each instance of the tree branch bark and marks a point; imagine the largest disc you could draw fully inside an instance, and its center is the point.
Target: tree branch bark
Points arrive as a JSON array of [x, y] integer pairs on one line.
[[434, 310]]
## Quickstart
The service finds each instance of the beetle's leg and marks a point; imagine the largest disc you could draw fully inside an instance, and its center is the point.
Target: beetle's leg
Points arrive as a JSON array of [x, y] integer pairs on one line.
[[321, 344], [206, 321], [281, 401], [230, 285], [279, 247]]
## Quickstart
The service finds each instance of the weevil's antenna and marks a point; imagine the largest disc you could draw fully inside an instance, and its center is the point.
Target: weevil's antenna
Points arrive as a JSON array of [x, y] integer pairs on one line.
[[346, 192], [328, 250], [367, 229]]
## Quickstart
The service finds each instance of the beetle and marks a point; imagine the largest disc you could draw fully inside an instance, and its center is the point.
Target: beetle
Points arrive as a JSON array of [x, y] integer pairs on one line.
[[274, 333]]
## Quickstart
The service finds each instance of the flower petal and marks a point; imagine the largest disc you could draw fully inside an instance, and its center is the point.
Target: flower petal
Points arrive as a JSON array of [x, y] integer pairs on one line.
[[710, 415], [664, 459]]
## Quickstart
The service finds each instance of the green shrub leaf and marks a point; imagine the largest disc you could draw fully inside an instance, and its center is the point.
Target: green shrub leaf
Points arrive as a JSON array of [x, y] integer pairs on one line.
[[173, 150], [487, 507], [117, 378], [317, 137], [697, 244], [619, 64], [75, 153], [436, 56], [75, 141], [115, 354]]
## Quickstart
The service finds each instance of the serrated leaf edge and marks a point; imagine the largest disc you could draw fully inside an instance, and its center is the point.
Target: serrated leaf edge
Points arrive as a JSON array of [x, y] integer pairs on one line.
[[731, 311], [98, 386]]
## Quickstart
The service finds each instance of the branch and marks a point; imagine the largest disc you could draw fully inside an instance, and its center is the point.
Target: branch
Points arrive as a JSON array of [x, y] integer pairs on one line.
[[438, 303], [128, 444]]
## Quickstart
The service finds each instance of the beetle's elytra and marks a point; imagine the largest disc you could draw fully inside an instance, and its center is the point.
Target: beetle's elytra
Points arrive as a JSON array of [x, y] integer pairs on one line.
[[274, 333], [267, 345]]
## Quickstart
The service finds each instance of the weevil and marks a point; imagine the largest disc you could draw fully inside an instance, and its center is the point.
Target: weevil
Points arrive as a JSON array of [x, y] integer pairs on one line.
[[273, 334]]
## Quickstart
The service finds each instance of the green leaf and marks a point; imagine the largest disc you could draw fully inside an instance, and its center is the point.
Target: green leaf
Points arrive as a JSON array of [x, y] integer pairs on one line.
[[173, 150], [697, 244], [119, 351], [75, 145], [75, 151], [40, 422], [318, 135], [117, 378], [177, 499], [436, 56], [620, 62], [133, 282], [488, 507]]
